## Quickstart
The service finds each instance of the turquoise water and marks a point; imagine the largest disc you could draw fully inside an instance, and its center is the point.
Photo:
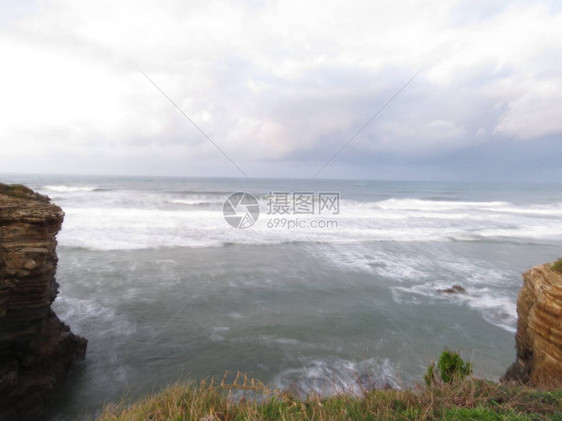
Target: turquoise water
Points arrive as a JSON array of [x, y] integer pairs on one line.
[[165, 289]]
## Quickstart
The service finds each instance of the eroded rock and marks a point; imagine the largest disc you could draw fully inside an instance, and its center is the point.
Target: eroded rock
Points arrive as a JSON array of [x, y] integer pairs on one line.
[[539, 329], [36, 348]]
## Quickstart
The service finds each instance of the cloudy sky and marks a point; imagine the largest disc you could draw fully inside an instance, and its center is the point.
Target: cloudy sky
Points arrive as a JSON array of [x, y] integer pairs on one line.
[[281, 86]]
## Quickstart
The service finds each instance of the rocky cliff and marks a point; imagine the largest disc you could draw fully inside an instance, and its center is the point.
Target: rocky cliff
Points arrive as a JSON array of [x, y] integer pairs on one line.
[[36, 348], [539, 329]]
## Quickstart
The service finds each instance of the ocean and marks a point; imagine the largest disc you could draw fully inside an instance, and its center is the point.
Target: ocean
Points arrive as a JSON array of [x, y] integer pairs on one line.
[[165, 289]]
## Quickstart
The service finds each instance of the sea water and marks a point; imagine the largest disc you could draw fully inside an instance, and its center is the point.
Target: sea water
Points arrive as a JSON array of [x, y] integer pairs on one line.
[[166, 290]]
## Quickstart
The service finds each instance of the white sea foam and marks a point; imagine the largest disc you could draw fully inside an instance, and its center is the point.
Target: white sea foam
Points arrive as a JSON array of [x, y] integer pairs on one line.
[[418, 204], [81, 313], [121, 220], [442, 206], [323, 377], [484, 293], [417, 277], [68, 189], [399, 267], [218, 333], [497, 309], [188, 202]]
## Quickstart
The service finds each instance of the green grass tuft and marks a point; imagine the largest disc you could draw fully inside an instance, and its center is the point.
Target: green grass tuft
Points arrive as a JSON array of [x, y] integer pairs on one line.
[[450, 367], [557, 266]]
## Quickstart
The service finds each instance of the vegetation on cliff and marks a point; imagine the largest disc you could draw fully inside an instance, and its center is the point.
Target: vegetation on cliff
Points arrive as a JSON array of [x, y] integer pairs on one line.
[[557, 266], [463, 400], [450, 367], [19, 191], [448, 395]]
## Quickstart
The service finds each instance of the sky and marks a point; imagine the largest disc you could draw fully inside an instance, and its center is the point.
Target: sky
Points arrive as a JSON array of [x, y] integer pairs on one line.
[[459, 90]]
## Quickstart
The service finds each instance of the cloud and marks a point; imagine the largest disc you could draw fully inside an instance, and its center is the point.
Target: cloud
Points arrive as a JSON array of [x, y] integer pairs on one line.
[[535, 113], [273, 81]]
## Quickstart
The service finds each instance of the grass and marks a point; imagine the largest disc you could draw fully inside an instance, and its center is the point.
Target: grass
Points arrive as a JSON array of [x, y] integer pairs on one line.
[[450, 367], [469, 399], [16, 190], [557, 266]]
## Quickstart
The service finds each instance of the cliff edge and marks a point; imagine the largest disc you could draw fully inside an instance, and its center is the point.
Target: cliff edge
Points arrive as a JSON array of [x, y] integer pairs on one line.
[[36, 348], [539, 329]]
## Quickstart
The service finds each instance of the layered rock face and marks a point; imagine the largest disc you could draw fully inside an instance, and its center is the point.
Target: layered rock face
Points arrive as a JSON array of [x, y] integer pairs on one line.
[[36, 348], [539, 329]]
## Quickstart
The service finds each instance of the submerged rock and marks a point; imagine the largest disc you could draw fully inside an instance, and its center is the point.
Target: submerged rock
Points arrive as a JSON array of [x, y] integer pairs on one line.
[[455, 289], [36, 348], [539, 329], [368, 382]]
